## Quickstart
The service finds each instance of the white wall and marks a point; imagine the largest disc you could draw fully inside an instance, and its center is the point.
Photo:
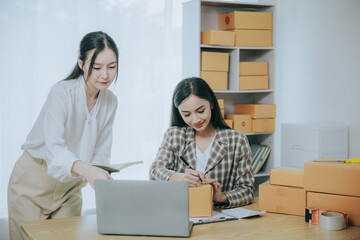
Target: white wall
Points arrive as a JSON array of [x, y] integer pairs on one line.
[[318, 65]]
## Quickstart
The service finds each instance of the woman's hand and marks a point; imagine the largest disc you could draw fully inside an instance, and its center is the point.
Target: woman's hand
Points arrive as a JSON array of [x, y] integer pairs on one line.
[[89, 172], [218, 196], [191, 176]]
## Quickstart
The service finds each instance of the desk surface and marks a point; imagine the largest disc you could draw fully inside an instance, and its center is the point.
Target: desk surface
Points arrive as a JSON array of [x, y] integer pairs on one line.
[[266, 226]]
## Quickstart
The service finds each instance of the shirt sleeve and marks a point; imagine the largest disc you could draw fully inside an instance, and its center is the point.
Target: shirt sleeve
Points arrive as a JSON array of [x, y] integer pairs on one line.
[[58, 157], [102, 152], [163, 166], [243, 190]]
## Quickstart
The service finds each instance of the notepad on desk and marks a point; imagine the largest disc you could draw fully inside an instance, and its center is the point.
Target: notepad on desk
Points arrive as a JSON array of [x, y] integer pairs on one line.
[[227, 215], [116, 167]]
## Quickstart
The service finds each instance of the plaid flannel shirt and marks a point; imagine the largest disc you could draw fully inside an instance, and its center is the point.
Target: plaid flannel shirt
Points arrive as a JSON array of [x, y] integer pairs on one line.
[[229, 162]]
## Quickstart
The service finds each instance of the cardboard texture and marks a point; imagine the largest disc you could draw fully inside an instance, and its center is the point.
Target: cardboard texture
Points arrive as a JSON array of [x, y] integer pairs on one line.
[[214, 61], [241, 122], [216, 80], [221, 103], [257, 110], [200, 201], [222, 112], [245, 20], [281, 199], [336, 178], [253, 82], [332, 202], [216, 37], [263, 125], [253, 69], [287, 176], [253, 38], [229, 122]]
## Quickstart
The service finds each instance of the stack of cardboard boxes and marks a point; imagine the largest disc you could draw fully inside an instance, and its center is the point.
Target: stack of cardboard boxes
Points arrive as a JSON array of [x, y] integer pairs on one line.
[[327, 186], [214, 69], [253, 76]]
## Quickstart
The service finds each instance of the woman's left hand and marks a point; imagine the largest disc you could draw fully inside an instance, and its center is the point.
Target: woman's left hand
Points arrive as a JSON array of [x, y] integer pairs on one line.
[[218, 196]]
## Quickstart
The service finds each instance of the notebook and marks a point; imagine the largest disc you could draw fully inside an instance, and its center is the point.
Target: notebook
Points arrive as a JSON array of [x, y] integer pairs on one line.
[[148, 208]]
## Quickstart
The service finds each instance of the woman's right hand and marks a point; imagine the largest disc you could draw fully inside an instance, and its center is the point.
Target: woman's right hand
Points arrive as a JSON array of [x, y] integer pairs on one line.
[[191, 176], [89, 172]]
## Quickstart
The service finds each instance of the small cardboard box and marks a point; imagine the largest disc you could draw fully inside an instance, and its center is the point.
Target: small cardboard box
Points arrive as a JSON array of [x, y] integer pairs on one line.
[[263, 125], [245, 20], [336, 177], [253, 82], [257, 110], [253, 69], [281, 199], [216, 80], [253, 38], [222, 113], [200, 201], [338, 203], [241, 122], [287, 176], [221, 103], [229, 122], [214, 61], [216, 37]]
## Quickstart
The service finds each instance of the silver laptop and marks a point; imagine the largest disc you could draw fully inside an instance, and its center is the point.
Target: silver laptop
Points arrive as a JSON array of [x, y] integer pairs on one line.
[[134, 207]]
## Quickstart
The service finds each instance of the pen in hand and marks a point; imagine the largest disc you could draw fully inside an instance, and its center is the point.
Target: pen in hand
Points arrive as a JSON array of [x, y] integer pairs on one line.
[[188, 165]]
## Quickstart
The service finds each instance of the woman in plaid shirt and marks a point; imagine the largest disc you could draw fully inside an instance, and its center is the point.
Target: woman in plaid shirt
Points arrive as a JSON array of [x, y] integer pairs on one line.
[[218, 155]]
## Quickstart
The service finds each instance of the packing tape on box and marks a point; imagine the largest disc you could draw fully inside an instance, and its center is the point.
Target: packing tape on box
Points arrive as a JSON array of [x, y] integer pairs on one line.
[[332, 220]]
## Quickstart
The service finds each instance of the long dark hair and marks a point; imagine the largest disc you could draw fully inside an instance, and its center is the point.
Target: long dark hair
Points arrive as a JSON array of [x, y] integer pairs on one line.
[[201, 89], [94, 40]]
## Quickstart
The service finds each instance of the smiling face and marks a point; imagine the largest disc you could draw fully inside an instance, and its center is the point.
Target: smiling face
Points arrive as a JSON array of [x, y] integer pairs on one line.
[[103, 72], [196, 113]]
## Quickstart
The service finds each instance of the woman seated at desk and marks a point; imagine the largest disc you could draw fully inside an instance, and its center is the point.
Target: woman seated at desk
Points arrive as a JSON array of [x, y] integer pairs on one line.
[[217, 155]]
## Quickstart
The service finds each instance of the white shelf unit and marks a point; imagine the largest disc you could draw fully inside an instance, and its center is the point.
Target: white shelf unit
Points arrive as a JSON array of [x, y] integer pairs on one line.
[[203, 15]]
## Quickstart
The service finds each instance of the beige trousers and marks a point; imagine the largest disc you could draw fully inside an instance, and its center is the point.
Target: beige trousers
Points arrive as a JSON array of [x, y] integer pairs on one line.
[[33, 195]]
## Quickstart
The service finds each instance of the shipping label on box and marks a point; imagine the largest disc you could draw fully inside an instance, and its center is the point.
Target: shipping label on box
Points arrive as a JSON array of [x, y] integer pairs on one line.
[[200, 201], [281, 199], [253, 69], [216, 80], [253, 38], [245, 20], [216, 37], [332, 177], [214, 61], [253, 82], [287, 176], [333, 202], [241, 122], [263, 125], [257, 110]]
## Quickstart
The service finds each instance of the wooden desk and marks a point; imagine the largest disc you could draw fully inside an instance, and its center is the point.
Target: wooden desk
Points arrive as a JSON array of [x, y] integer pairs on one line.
[[268, 226]]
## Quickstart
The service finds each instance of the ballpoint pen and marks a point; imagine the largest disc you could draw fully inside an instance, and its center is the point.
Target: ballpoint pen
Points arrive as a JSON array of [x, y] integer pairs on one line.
[[188, 165], [351, 160]]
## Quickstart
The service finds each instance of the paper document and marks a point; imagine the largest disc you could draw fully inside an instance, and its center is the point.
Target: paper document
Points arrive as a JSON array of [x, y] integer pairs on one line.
[[116, 167], [226, 215]]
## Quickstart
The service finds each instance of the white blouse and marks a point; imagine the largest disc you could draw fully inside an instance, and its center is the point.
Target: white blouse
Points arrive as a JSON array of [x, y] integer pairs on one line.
[[203, 157], [65, 131]]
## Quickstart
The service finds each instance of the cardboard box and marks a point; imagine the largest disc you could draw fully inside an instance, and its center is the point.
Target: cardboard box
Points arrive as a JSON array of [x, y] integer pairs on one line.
[[221, 103], [229, 122], [281, 199], [286, 176], [263, 125], [214, 61], [200, 201], [336, 178], [253, 38], [253, 69], [216, 37], [216, 80], [222, 113], [338, 203], [257, 110], [253, 82], [241, 122], [245, 20]]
